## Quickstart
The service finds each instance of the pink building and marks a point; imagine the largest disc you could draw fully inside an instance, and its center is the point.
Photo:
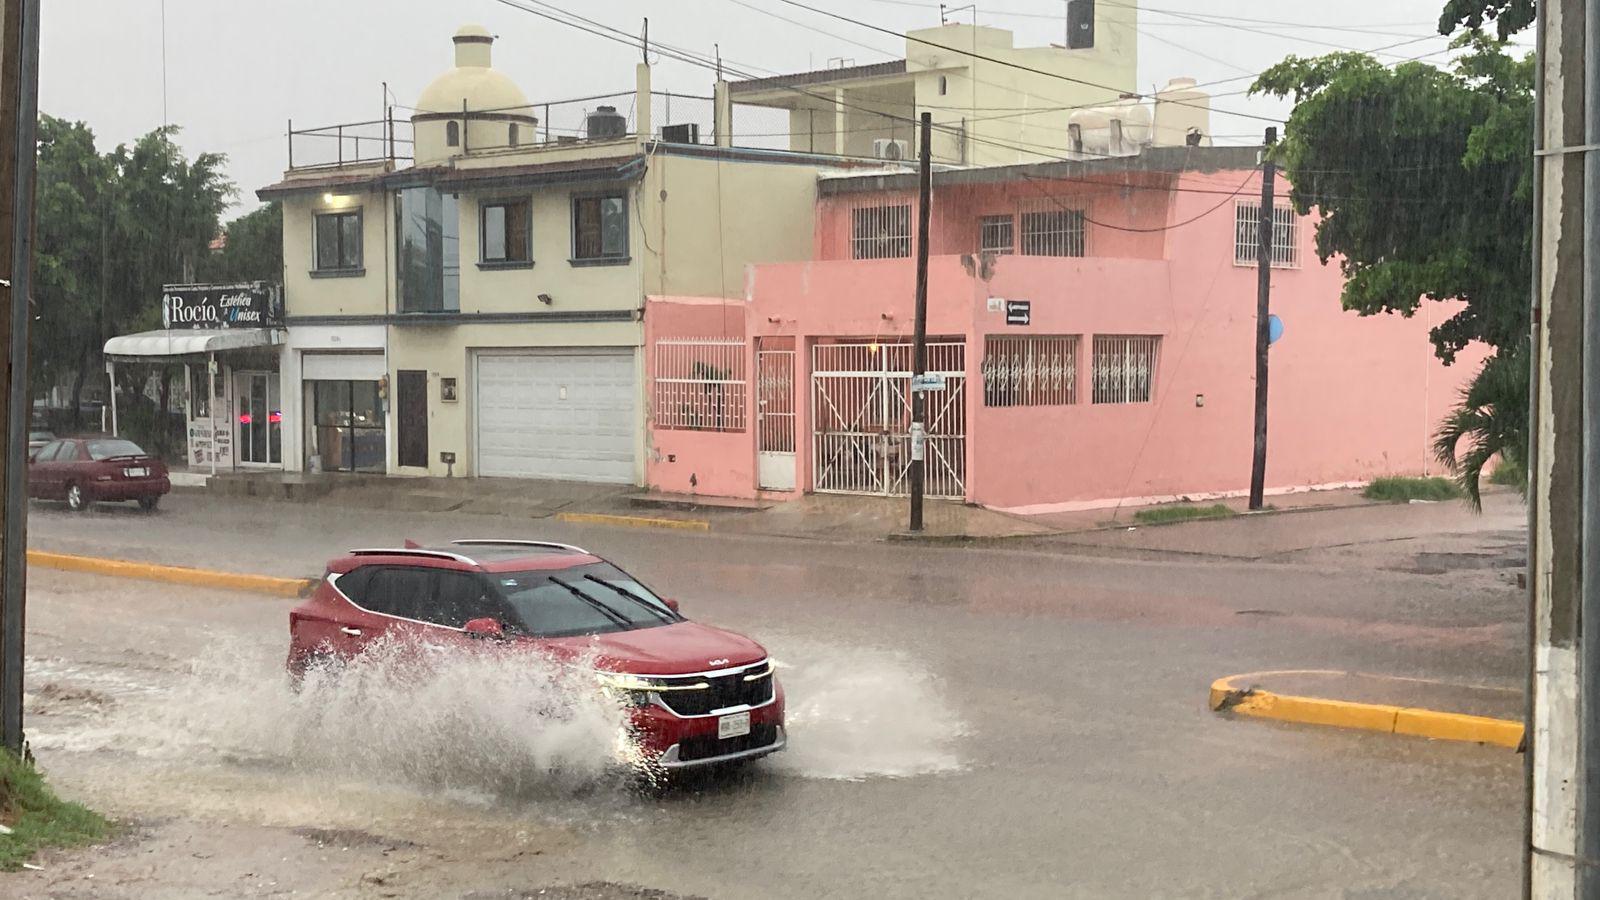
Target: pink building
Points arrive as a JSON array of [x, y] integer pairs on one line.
[[1093, 323]]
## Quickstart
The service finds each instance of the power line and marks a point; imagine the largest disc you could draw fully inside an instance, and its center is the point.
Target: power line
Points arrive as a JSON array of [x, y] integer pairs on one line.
[[1222, 20], [1189, 221]]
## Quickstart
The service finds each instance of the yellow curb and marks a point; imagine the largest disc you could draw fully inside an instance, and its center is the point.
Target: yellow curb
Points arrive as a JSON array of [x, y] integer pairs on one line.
[[121, 568], [1428, 723], [634, 521]]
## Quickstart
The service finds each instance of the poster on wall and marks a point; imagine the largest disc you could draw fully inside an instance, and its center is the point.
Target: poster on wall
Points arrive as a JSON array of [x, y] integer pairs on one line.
[[208, 439], [255, 304]]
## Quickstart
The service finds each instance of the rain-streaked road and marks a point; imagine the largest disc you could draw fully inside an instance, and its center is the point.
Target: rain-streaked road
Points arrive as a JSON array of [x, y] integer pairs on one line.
[[966, 722]]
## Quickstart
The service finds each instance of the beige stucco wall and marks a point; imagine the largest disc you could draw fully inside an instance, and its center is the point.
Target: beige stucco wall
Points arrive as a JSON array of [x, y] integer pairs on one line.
[[449, 351], [717, 217], [361, 295]]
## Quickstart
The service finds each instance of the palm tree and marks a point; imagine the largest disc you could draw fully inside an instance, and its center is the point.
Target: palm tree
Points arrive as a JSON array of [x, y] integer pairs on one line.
[[1491, 419]]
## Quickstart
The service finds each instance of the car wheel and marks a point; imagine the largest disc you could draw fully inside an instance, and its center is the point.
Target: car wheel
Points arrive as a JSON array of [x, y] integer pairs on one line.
[[148, 504], [76, 500]]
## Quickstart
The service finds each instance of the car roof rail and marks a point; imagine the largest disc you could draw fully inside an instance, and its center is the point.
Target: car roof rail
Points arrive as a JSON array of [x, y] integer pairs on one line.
[[431, 554], [499, 542]]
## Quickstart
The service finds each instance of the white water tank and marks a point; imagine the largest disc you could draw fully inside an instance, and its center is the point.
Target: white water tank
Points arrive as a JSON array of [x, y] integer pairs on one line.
[[1120, 128], [1183, 115]]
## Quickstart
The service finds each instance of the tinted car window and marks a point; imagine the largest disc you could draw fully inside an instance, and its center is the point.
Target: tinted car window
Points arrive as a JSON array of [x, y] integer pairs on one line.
[[109, 448], [399, 592], [68, 452], [353, 584], [460, 597], [48, 452]]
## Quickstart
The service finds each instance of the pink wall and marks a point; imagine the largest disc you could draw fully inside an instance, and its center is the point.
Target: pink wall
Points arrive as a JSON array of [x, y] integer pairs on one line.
[[1351, 398], [721, 462]]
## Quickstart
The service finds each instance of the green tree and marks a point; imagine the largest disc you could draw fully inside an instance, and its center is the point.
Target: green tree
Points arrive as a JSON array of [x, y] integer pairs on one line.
[[1423, 178], [254, 249]]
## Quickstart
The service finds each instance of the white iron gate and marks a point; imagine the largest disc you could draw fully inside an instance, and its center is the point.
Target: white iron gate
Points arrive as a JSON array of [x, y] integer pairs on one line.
[[775, 419], [861, 419]]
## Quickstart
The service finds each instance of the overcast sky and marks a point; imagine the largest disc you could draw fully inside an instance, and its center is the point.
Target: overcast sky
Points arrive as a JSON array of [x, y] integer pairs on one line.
[[237, 70]]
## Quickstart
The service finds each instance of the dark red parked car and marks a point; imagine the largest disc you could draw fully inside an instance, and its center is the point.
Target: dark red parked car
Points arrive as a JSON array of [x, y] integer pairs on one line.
[[695, 695], [82, 471]]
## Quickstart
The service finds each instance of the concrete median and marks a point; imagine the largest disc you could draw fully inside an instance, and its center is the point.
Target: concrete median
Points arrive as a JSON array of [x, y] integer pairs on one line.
[[122, 568], [1243, 695]]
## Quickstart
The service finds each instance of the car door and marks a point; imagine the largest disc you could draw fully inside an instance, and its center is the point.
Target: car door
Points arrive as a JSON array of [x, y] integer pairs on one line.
[[41, 471], [394, 599], [66, 468]]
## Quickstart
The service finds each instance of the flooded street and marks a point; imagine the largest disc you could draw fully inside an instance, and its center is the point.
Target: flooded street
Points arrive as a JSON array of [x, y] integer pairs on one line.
[[999, 721]]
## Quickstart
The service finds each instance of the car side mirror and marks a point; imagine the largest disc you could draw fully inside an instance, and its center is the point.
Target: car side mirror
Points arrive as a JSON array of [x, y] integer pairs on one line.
[[483, 628], [671, 604]]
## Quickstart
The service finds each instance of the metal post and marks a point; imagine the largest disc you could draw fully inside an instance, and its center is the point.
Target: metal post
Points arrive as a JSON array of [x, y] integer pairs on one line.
[[19, 102], [1258, 462], [111, 379], [291, 143], [919, 361], [211, 408], [340, 136]]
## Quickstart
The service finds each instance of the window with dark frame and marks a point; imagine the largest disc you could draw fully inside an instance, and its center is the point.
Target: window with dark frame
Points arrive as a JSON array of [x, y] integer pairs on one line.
[[505, 232], [1057, 232], [997, 234], [600, 227], [338, 241]]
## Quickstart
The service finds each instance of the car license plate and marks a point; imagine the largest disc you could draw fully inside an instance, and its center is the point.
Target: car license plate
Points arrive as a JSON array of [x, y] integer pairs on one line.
[[136, 472], [736, 725]]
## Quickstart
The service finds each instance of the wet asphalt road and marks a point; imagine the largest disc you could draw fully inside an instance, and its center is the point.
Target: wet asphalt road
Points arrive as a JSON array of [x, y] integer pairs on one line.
[[967, 722]]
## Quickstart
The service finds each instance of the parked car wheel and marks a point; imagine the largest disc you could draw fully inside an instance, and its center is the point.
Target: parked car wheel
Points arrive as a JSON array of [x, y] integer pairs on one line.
[[76, 500], [149, 504]]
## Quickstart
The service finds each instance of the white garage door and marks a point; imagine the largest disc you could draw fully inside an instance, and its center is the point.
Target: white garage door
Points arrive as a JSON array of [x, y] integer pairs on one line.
[[557, 415]]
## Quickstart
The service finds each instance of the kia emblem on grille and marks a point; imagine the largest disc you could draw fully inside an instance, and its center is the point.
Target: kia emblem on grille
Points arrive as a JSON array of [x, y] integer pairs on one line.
[[716, 662]]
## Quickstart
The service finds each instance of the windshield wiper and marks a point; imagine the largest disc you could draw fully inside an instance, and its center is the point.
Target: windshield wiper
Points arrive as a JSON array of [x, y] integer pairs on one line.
[[603, 609], [665, 615]]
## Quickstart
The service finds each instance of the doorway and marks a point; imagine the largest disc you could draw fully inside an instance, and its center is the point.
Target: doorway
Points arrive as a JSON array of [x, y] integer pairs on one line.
[[259, 414]]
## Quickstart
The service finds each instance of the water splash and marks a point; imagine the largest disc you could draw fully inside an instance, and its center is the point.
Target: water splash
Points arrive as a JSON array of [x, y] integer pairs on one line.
[[856, 713]]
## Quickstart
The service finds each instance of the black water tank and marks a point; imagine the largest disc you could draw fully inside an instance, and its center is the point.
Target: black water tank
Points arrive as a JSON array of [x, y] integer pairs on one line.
[[605, 122]]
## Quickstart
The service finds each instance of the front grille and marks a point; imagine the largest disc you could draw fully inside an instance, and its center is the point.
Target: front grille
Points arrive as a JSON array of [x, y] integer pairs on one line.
[[706, 746], [724, 691]]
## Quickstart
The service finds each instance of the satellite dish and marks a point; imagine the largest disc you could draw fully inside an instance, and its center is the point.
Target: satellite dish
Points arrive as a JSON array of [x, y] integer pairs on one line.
[[1274, 329]]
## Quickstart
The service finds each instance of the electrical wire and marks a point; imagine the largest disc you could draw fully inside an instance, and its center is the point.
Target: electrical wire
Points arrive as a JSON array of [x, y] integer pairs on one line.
[[1361, 29], [1189, 221]]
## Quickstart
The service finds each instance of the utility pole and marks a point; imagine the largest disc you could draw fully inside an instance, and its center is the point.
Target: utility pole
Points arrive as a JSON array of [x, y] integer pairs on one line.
[[19, 114], [1269, 171], [919, 350], [1563, 737]]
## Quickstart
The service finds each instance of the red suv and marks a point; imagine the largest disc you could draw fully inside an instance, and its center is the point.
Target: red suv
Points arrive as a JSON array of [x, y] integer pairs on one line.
[[695, 695]]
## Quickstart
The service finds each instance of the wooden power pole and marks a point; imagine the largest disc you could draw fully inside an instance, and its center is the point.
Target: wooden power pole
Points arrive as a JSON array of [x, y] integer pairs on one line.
[[1258, 463], [919, 350], [19, 101]]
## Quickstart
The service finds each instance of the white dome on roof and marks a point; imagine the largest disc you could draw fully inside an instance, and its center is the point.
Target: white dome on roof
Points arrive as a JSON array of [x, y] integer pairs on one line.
[[472, 81]]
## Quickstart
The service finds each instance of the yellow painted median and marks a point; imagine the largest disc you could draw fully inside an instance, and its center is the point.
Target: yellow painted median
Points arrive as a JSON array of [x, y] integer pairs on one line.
[[1228, 696], [634, 521], [122, 568]]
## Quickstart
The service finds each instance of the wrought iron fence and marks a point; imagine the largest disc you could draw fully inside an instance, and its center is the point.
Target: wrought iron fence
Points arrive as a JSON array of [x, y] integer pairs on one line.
[[1031, 370], [1125, 367], [699, 384]]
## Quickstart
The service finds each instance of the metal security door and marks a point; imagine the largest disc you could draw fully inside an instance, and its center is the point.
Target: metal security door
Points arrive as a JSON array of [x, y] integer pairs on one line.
[[775, 419], [861, 419]]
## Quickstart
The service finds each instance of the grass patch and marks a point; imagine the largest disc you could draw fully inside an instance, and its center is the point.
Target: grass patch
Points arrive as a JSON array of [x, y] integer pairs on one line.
[[1161, 515], [1397, 489], [1509, 474], [36, 817]]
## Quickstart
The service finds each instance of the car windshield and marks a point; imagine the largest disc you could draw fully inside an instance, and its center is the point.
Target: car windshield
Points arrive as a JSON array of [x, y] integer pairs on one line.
[[592, 599], [110, 448]]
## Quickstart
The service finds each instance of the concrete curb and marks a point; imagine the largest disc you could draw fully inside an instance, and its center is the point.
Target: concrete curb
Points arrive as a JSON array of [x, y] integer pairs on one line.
[[121, 568], [1428, 723], [633, 521]]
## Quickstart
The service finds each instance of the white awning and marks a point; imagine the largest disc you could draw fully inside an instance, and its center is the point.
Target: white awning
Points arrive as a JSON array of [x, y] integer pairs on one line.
[[189, 342]]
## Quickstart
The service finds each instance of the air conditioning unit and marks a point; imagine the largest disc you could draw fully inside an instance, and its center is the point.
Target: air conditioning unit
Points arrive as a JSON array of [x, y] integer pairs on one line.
[[891, 148], [688, 133]]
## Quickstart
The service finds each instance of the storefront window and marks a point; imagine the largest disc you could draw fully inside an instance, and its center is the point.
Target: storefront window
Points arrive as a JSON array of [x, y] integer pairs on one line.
[[428, 251], [348, 435]]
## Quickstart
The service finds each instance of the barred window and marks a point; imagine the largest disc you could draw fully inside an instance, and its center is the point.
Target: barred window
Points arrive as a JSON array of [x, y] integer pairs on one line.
[[1125, 367], [1285, 235], [699, 384], [1032, 370], [1057, 232], [996, 234], [880, 232]]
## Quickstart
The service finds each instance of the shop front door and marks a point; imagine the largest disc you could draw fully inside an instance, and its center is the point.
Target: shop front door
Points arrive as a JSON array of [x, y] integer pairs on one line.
[[347, 430], [260, 419]]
